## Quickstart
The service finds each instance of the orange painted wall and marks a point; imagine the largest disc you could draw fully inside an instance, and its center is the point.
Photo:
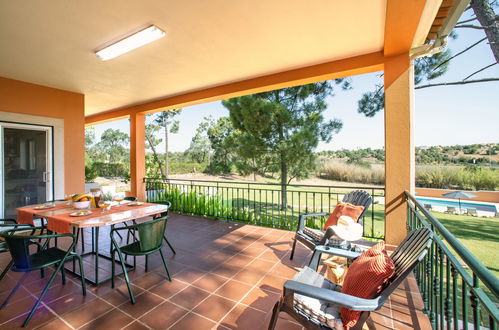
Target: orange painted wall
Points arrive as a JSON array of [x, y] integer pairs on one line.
[[26, 98]]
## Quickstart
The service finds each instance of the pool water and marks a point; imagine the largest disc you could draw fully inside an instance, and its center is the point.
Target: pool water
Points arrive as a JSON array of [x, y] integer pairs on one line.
[[464, 204]]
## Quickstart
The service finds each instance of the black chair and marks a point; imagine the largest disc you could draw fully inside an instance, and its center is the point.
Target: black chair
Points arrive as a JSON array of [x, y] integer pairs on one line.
[[308, 285], [130, 199], [151, 236], [25, 261], [313, 237], [5, 225], [165, 214]]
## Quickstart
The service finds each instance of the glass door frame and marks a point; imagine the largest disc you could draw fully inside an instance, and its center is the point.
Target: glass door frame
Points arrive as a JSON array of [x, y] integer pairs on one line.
[[49, 157]]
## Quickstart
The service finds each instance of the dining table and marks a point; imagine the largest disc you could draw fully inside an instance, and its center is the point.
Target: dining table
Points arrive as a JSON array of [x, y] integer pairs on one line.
[[61, 218]]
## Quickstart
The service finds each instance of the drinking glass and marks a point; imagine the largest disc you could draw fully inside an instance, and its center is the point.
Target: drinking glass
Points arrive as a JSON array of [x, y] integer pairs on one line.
[[119, 199], [68, 199], [103, 205]]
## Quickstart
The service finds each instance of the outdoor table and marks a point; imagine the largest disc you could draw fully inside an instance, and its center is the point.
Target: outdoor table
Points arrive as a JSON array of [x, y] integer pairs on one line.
[[58, 220]]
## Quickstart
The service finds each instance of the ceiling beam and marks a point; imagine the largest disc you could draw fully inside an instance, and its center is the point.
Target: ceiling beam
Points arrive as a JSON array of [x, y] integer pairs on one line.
[[402, 21], [331, 70]]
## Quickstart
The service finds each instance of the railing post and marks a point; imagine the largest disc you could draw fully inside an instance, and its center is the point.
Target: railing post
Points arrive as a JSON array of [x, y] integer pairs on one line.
[[475, 303], [454, 296], [436, 290], [448, 301]]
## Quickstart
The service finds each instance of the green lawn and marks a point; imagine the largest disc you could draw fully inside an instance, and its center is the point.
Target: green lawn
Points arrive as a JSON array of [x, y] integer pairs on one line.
[[479, 235]]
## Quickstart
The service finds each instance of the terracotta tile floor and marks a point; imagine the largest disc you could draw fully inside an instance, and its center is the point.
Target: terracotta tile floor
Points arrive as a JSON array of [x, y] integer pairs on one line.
[[225, 276]]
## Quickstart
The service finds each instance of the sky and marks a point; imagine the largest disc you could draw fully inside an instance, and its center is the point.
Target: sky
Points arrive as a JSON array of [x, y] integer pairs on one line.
[[449, 115]]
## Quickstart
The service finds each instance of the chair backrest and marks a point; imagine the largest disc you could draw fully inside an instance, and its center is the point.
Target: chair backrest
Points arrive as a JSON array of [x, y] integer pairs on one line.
[[359, 197], [406, 257], [130, 198], [18, 248], [151, 233], [167, 203]]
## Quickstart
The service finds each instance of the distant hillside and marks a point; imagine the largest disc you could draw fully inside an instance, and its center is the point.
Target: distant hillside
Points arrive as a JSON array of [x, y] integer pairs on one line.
[[480, 154]]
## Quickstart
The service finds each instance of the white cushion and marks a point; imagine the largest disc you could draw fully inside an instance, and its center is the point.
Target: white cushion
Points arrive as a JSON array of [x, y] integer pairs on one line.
[[321, 311]]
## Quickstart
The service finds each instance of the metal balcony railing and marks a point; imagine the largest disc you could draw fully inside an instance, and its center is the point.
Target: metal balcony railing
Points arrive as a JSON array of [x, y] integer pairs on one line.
[[261, 203], [458, 291]]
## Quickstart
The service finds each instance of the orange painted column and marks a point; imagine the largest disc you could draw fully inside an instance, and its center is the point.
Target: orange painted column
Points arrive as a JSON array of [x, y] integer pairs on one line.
[[137, 156], [399, 144]]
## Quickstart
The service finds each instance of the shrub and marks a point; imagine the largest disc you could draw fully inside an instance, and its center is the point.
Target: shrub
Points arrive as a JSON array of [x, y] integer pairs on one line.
[[340, 171], [111, 169], [447, 177], [90, 172]]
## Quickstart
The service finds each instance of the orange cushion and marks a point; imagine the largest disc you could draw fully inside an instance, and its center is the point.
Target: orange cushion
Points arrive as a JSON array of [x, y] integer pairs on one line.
[[366, 278], [348, 209]]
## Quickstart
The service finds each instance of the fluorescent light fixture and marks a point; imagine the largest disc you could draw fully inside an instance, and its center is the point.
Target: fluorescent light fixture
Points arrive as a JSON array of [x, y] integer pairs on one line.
[[132, 42]]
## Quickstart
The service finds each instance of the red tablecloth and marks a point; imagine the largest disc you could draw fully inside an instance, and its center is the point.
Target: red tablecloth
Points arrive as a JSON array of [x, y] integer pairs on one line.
[[25, 214], [61, 223]]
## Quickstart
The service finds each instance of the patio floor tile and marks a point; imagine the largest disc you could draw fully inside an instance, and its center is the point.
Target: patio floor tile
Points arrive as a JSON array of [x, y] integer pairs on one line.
[[114, 319], [193, 321], [214, 307], [233, 290], [163, 316], [243, 317], [189, 297]]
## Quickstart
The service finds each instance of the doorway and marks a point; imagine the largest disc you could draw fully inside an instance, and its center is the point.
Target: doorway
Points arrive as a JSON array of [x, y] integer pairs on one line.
[[25, 166]]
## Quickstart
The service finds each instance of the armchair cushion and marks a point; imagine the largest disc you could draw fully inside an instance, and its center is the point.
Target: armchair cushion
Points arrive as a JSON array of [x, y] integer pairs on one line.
[[347, 209], [315, 234], [319, 311], [366, 278]]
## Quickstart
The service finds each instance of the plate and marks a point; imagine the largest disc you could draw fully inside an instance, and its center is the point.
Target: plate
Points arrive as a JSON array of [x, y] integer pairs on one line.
[[80, 214], [44, 206], [135, 203]]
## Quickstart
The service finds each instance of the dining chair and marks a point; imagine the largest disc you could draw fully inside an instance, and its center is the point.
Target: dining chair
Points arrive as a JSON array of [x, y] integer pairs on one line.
[[151, 237], [164, 214], [23, 260], [130, 199], [5, 225]]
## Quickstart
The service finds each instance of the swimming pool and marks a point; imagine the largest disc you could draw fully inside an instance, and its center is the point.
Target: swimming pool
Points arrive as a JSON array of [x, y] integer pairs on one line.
[[464, 204]]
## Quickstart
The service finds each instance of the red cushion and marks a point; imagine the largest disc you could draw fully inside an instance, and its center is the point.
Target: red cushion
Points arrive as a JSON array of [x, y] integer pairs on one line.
[[348, 209], [366, 277]]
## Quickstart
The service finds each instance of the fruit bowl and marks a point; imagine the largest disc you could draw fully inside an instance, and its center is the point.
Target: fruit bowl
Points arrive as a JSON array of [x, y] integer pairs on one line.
[[81, 205]]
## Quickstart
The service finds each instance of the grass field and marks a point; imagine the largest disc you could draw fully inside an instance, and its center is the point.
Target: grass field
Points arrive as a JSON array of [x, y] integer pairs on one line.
[[478, 234]]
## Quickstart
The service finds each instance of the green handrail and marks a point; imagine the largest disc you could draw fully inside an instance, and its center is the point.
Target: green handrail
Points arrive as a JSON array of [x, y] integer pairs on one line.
[[485, 275], [258, 203], [263, 183]]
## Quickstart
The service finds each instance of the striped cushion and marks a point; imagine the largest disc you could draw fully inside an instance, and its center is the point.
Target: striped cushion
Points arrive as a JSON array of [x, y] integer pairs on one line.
[[315, 234], [366, 278]]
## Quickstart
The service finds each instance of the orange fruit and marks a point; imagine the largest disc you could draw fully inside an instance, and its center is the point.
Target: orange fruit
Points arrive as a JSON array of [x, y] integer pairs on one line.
[[84, 199]]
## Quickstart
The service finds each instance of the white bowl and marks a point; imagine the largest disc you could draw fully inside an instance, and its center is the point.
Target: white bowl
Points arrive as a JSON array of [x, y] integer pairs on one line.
[[81, 205]]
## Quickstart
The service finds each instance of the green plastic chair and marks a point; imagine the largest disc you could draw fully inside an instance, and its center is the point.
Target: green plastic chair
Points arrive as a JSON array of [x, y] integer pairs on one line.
[[151, 236], [25, 261], [163, 214], [5, 225]]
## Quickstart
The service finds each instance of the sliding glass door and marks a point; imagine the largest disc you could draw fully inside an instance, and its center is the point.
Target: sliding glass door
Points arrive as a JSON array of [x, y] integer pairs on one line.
[[25, 166]]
